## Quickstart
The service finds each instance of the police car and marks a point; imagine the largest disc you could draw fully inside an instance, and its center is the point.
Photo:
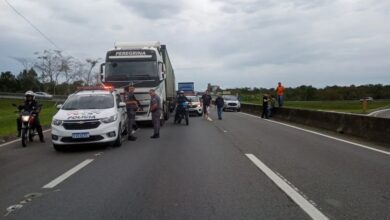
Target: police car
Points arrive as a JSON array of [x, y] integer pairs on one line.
[[91, 115]]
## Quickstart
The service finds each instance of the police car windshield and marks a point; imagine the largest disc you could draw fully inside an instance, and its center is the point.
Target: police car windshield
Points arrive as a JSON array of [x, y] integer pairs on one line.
[[94, 101]]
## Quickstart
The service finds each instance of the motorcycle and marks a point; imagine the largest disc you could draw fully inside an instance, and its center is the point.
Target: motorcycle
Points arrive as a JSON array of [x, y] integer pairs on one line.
[[27, 120], [182, 112]]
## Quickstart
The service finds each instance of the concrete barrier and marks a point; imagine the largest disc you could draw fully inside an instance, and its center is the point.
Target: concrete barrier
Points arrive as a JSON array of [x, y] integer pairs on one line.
[[362, 126]]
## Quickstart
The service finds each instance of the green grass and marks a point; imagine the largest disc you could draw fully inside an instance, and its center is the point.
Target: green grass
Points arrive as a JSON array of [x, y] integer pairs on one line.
[[353, 106], [8, 115]]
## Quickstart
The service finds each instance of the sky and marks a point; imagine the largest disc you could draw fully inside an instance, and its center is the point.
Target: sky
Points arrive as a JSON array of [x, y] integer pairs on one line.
[[231, 43]]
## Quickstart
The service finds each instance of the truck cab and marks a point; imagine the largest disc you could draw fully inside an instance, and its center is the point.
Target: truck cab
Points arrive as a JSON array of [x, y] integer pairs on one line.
[[145, 66]]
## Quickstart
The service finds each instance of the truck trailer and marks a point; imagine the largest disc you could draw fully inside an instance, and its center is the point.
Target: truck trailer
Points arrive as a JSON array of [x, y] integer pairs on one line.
[[145, 66], [187, 88]]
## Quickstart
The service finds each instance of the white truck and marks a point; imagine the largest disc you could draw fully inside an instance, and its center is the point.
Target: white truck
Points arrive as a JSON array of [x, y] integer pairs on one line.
[[145, 66]]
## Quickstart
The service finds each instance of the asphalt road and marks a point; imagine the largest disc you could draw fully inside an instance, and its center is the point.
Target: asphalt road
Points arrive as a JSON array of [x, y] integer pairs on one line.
[[384, 113], [207, 170]]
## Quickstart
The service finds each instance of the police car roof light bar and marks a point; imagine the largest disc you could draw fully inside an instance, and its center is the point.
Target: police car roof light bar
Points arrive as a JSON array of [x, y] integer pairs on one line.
[[98, 87]]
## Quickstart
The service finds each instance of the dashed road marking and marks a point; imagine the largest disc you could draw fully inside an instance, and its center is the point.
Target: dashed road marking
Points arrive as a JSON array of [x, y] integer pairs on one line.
[[301, 201], [66, 175]]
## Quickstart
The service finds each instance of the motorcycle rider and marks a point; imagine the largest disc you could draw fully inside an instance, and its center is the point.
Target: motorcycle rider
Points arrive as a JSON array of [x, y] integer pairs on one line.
[[30, 104], [180, 100]]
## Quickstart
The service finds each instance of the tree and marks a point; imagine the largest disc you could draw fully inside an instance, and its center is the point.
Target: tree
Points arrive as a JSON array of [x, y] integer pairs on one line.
[[28, 80], [8, 82], [50, 64], [92, 63]]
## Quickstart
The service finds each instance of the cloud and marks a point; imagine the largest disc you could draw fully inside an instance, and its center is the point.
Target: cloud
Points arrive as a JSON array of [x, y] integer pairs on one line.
[[153, 9], [226, 42]]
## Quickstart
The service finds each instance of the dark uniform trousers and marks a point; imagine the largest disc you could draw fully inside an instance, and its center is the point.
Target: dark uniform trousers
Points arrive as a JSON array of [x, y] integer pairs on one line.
[[130, 119], [156, 121]]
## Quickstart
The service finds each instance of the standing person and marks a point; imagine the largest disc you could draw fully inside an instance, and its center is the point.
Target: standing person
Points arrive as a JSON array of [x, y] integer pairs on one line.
[[206, 101], [132, 105], [155, 109], [280, 94], [265, 106], [219, 102]]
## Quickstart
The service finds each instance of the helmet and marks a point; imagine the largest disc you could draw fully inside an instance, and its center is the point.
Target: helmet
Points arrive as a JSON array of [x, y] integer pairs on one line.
[[181, 92], [29, 93]]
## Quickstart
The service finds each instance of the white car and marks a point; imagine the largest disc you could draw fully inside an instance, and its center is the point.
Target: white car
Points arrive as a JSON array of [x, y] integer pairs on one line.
[[89, 117], [231, 103], [195, 106], [43, 95]]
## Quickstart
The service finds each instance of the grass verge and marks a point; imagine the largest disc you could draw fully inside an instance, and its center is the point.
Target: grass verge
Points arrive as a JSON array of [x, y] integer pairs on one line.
[[8, 115]]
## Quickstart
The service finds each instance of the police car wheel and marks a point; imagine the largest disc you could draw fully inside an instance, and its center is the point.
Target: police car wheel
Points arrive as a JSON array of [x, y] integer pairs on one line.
[[118, 141], [58, 147]]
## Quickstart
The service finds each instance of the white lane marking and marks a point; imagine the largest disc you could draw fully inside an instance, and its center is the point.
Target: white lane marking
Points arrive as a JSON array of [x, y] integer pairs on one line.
[[309, 208], [64, 176], [5, 144], [324, 135], [378, 112]]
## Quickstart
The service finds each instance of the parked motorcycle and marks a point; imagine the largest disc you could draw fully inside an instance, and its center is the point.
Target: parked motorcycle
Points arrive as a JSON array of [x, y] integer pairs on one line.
[[182, 112]]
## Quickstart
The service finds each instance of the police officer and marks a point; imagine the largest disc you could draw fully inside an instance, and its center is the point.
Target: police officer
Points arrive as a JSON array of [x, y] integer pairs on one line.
[[31, 105], [132, 105], [180, 100], [155, 109]]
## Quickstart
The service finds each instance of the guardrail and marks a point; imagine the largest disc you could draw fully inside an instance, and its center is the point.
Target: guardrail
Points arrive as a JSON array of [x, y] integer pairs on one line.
[[362, 126], [9, 95]]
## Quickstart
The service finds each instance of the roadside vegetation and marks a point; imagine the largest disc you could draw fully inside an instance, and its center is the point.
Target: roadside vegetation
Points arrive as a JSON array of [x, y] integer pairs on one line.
[[330, 98], [349, 106], [8, 115]]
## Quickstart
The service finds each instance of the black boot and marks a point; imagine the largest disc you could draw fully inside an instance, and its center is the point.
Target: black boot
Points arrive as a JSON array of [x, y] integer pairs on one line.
[[155, 136], [131, 138]]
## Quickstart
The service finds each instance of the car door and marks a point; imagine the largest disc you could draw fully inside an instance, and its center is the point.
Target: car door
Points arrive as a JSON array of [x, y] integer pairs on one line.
[[121, 111]]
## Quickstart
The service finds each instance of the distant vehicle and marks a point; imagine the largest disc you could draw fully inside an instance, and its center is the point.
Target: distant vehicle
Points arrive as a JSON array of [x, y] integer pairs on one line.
[[93, 115], [231, 103], [370, 99], [43, 95], [187, 88], [194, 106]]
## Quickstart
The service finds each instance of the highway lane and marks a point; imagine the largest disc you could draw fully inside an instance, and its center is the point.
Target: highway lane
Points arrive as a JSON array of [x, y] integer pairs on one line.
[[200, 172], [384, 113]]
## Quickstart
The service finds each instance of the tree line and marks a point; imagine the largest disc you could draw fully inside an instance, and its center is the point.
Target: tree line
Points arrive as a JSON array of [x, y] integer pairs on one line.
[[50, 71], [310, 93]]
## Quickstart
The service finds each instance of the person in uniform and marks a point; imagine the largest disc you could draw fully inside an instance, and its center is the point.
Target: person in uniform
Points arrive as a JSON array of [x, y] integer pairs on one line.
[[132, 105], [181, 98], [155, 109], [31, 105]]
